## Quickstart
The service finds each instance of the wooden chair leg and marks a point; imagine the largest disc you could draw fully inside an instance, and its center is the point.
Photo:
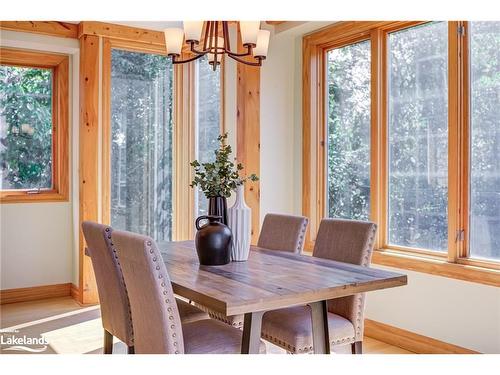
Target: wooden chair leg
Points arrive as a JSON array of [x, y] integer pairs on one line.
[[108, 342], [130, 350], [357, 347]]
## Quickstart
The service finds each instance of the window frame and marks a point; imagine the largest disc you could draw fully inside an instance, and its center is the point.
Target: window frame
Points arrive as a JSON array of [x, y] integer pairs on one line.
[[454, 263], [184, 134], [59, 64], [384, 158]]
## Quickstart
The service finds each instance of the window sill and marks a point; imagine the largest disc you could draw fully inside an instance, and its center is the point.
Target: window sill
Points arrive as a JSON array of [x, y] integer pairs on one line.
[[23, 197], [436, 266]]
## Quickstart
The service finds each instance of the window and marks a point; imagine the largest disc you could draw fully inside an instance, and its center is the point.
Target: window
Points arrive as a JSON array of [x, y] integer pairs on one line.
[[141, 143], [33, 126], [348, 127], [418, 137], [208, 118], [401, 127], [484, 212]]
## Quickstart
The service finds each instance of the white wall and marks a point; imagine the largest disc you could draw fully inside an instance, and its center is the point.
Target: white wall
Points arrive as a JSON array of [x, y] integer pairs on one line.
[[455, 311], [279, 164], [458, 312], [37, 245], [280, 122]]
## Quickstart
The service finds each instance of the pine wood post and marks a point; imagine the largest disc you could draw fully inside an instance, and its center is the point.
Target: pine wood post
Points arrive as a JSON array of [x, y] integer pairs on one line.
[[89, 142], [248, 136]]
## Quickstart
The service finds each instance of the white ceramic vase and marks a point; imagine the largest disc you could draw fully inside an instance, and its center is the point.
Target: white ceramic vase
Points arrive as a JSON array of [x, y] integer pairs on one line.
[[239, 218]]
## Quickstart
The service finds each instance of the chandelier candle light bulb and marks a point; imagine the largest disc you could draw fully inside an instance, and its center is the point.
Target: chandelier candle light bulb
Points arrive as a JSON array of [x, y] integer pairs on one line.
[[249, 31], [261, 48], [173, 39], [192, 31]]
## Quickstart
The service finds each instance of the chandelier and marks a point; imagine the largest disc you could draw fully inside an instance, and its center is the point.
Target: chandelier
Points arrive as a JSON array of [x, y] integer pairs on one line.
[[215, 42]]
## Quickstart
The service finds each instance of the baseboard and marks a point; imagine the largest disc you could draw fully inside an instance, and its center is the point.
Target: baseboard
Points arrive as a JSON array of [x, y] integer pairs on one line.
[[75, 292], [34, 293], [411, 341]]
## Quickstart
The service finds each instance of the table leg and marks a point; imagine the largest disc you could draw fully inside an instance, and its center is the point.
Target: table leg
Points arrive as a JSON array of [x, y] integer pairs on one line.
[[252, 325], [321, 336]]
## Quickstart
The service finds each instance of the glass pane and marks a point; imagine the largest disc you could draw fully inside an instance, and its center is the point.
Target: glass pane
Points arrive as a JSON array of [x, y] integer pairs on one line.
[[208, 118], [418, 137], [485, 139], [348, 80], [141, 155], [25, 128]]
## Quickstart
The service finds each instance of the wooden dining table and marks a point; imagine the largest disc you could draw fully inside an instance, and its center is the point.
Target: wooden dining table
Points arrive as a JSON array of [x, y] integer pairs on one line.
[[270, 280]]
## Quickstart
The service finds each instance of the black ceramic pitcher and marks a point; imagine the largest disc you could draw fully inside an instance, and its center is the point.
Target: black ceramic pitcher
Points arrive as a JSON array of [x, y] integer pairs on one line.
[[213, 241]]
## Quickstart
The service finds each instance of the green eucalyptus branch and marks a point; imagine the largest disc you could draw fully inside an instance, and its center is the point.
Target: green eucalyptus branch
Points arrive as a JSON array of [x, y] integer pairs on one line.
[[220, 177]]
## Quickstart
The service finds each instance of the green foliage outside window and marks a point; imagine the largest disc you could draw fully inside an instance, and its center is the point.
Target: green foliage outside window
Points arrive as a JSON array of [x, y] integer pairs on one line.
[[26, 127], [417, 136], [349, 131], [141, 144]]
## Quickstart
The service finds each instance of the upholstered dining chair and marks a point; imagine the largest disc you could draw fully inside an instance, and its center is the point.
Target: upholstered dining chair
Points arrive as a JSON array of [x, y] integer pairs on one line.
[[113, 298], [155, 312], [348, 241], [283, 232], [278, 232]]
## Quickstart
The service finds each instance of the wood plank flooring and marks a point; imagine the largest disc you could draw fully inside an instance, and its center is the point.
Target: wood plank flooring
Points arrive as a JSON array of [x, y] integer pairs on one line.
[[71, 328]]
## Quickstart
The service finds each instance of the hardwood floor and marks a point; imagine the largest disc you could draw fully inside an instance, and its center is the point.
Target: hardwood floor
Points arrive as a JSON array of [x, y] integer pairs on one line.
[[70, 328]]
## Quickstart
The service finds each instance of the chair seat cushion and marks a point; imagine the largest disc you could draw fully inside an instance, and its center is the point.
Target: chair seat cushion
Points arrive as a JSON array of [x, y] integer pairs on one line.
[[189, 313], [212, 337], [291, 329]]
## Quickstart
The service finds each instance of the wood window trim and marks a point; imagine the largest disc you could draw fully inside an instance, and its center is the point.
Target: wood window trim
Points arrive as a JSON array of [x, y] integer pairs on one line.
[[454, 263], [59, 64], [464, 269], [183, 141]]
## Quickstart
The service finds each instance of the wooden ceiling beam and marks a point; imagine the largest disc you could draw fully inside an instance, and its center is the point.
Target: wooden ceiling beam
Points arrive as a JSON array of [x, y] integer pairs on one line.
[[128, 33], [121, 32], [52, 28]]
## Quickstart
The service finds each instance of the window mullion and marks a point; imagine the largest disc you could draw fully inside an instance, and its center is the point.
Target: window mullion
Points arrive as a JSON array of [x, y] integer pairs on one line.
[[456, 151], [377, 210], [464, 250], [383, 156]]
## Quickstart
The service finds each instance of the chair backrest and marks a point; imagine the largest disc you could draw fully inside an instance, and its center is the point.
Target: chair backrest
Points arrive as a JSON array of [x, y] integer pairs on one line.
[[157, 324], [283, 232], [115, 309], [348, 241]]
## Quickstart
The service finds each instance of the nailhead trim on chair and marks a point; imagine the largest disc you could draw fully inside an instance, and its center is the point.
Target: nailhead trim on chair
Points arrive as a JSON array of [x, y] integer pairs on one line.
[[369, 246], [360, 297], [300, 244], [154, 258], [359, 303], [307, 349], [107, 238]]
